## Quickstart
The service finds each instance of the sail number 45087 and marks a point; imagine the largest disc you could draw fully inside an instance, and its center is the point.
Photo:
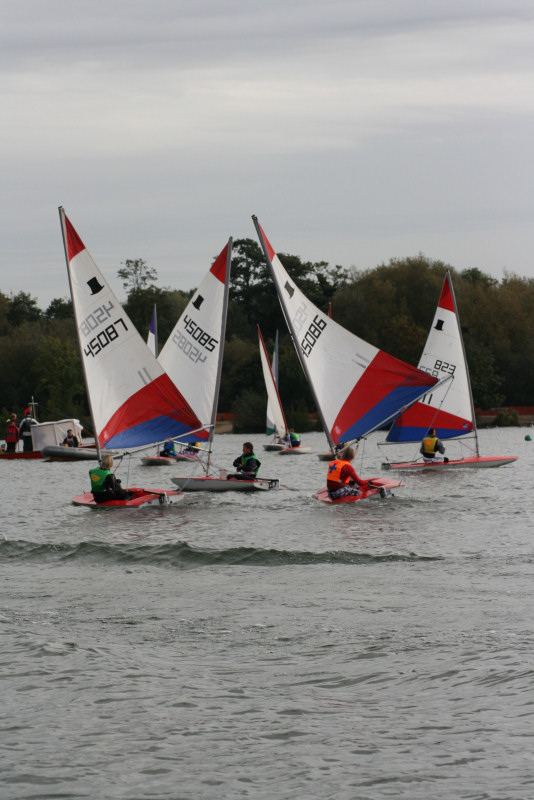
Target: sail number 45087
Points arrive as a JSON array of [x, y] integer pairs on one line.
[[102, 339]]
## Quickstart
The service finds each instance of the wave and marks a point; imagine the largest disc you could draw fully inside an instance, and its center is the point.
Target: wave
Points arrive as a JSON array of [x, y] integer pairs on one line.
[[182, 556]]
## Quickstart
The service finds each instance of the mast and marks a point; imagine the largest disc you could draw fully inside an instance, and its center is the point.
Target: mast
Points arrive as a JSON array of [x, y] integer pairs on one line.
[[155, 321], [294, 335], [82, 359], [473, 414], [221, 349]]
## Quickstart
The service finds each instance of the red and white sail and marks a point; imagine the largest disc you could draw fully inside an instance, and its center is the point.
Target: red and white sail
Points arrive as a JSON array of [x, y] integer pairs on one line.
[[357, 387], [133, 401], [449, 407], [192, 355], [275, 412]]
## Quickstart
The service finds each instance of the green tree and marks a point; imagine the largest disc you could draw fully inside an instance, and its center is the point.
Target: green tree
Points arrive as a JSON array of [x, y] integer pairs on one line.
[[60, 383], [59, 309], [136, 274], [23, 308], [169, 307]]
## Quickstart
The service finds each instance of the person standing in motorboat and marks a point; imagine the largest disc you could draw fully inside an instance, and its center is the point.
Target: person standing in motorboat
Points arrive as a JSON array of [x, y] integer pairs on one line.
[[431, 446], [247, 465], [26, 432], [12, 434], [104, 485], [342, 479]]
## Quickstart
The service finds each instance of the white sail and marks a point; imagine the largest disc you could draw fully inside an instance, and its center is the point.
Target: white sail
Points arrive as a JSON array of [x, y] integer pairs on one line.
[[133, 402], [274, 406], [192, 355], [357, 387], [449, 407]]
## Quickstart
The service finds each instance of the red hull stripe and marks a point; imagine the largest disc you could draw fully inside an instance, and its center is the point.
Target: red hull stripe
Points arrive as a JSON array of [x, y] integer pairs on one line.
[[159, 398], [218, 268], [74, 243], [445, 301]]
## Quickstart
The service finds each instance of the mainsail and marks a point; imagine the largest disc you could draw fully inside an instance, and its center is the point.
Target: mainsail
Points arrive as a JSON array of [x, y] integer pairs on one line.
[[192, 355], [357, 387], [275, 412], [133, 402], [449, 407]]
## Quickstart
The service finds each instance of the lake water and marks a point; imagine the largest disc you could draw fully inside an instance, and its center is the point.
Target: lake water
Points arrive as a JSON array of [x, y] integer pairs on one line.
[[267, 646]]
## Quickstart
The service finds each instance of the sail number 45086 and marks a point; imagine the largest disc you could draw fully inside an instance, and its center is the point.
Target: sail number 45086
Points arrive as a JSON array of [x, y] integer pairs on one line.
[[312, 334]]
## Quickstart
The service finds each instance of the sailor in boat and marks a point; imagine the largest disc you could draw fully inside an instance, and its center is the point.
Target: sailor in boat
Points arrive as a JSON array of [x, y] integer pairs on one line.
[[104, 485], [70, 439], [12, 434], [191, 449], [168, 450], [341, 478], [293, 438], [247, 465], [431, 446]]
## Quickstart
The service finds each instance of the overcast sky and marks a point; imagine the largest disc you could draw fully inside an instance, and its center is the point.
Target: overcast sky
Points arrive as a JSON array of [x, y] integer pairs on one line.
[[357, 131]]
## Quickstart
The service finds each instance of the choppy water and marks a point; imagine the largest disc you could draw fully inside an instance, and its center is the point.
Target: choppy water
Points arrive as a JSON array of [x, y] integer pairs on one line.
[[268, 646]]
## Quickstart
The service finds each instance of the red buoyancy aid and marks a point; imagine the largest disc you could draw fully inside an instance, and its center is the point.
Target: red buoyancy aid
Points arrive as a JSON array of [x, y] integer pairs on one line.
[[12, 432], [334, 472]]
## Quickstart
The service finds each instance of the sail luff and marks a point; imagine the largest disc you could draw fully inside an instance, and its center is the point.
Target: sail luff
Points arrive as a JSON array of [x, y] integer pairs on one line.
[[221, 349], [75, 310], [460, 336]]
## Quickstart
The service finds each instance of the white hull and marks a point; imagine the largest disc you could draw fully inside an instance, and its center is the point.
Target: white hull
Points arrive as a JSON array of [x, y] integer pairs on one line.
[[204, 484], [274, 447]]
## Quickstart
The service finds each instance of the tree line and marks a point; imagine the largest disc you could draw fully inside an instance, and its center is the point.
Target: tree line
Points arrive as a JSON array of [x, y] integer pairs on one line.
[[391, 306]]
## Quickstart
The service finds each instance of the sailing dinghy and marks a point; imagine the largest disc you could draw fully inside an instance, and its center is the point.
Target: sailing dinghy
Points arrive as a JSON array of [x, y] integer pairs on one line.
[[192, 358], [272, 415], [448, 408], [133, 403], [274, 406], [357, 388]]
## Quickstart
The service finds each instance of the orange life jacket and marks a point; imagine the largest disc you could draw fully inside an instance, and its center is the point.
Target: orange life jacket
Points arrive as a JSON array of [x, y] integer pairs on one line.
[[334, 472]]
